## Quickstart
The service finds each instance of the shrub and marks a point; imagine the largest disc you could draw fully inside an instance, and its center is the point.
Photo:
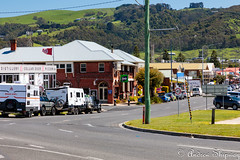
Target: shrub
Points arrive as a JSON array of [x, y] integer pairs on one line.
[[118, 101], [133, 98], [156, 99]]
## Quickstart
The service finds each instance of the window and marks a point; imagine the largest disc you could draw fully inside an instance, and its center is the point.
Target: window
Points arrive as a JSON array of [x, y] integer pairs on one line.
[[83, 67], [16, 78], [62, 66], [78, 94], [101, 67], [57, 66], [31, 78], [69, 68], [71, 94]]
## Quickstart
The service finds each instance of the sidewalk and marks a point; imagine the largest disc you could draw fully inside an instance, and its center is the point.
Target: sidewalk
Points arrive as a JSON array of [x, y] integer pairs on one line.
[[232, 121]]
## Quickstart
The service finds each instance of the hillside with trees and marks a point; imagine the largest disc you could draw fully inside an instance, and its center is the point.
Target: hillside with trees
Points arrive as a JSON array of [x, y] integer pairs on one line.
[[123, 27]]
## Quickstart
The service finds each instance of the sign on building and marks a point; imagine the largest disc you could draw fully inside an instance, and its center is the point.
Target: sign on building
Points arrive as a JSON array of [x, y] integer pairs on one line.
[[124, 78]]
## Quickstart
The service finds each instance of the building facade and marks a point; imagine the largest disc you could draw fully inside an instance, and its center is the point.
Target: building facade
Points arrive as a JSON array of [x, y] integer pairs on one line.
[[83, 64]]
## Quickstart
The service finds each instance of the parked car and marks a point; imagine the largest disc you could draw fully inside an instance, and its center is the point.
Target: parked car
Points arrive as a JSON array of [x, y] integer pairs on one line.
[[181, 96], [164, 97], [184, 93], [227, 101], [234, 94], [92, 104], [197, 91], [229, 88], [47, 106], [172, 96]]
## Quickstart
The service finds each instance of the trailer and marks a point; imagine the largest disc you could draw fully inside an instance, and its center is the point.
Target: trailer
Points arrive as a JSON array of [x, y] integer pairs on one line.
[[67, 99], [19, 98]]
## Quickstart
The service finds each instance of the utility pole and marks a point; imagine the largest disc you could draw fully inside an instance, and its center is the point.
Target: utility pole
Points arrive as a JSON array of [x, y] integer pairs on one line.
[[147, 72]]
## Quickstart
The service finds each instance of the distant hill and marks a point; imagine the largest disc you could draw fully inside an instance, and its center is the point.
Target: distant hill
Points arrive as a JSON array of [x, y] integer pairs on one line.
[[123, 27]]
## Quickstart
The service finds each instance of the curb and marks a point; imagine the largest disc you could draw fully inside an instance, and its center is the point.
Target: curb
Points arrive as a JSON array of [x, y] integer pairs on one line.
[[189, 135]]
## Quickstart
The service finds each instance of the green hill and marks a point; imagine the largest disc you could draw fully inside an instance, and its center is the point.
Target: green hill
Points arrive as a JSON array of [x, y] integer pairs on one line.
[[58, 16]]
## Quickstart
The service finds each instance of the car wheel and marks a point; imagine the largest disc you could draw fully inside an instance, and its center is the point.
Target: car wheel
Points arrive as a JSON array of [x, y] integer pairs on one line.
[[99, 110], [235, 107], [76, 111], [218, 106], [53, 111], [29, 114], [43, 111]]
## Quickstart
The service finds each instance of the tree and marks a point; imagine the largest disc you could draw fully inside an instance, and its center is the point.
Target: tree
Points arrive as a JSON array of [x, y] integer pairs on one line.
[[230, 77], [214, 59], [165, 55], [136, 51], [180, 57], [220, 79], [156, 79]]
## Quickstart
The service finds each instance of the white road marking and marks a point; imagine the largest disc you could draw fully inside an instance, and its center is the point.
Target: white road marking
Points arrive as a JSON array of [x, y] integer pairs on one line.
[[95, 117], [65, 130], [89, 125], [5, 120], [124, 114], [53, 152], [35, 146], [66, 120], [1, 138], [208, 148], [11, 124], [1, 157]]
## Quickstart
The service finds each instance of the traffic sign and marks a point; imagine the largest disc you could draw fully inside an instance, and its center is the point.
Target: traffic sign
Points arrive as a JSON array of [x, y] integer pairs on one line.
[[178, 91]]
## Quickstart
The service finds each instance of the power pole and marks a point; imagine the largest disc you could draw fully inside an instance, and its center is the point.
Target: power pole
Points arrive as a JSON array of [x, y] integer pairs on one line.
[[147, 70]]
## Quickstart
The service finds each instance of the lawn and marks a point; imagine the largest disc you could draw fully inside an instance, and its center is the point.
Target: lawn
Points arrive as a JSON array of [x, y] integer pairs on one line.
[[201, 123]]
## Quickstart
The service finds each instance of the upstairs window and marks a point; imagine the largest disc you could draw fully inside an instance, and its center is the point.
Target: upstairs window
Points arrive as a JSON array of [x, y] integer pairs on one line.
[[101, 67], [68, 68], [83, 67]]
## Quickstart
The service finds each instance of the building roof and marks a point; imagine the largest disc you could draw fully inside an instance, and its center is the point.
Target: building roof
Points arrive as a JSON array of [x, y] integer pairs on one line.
[[186, 66], [128, 57], [77, 50]]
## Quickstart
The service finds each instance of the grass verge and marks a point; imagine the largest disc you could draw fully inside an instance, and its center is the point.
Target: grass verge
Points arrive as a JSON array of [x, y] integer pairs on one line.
[[201, 123]]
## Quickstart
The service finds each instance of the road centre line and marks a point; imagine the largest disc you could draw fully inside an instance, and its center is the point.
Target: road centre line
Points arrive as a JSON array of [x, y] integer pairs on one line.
[[11, 124], [208, 148], [53, 152], [2, 157], [89, 125], [65, 130], [35, 146]]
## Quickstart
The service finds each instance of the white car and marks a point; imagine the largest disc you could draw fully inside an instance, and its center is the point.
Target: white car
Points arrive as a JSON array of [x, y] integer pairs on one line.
[[197, 91]]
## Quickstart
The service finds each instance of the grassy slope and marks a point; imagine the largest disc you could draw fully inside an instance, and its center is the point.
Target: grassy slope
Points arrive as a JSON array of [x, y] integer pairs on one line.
[[57, 16], [228, 53], [201, 123]]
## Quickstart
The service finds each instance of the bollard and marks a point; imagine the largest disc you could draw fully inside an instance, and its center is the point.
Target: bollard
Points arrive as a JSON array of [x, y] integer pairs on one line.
[[114, 102], [128, 102], [213, 115], [143, 115]]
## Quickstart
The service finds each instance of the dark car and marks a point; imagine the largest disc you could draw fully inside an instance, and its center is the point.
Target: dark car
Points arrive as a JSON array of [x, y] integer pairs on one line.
[[227, 101], [92, 104], [181, 96]]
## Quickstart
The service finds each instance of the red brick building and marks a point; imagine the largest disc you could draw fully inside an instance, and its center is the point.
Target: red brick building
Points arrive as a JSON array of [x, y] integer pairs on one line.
[[84, 64]]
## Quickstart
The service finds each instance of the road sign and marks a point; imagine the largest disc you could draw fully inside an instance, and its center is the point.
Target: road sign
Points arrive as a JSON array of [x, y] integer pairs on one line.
[[178, 91], [215, 89]]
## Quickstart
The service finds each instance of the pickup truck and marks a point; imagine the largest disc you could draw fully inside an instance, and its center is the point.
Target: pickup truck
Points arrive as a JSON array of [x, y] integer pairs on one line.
[[46, 106]]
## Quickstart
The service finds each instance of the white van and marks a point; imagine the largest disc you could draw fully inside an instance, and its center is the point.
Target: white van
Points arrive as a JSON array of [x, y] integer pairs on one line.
[[197, 91], [235, 94]]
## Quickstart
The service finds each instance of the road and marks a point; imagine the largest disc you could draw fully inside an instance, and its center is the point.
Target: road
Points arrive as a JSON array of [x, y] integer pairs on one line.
[[99, 136]]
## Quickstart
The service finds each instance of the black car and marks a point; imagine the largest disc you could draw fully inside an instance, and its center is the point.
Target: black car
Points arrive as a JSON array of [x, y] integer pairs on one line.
[[227, 101]]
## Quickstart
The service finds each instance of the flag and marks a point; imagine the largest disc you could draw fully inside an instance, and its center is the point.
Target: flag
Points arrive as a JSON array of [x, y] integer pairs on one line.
[[47, 51]]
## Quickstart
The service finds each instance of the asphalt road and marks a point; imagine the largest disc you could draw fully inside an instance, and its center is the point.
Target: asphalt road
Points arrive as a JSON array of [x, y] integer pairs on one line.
[[99, 136]]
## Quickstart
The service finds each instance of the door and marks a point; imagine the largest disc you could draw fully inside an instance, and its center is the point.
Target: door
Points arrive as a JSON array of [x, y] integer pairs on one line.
[[103, 91]]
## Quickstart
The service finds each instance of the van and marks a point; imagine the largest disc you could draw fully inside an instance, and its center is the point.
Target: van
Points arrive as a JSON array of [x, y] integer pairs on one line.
[[197, 91], [234, 94]]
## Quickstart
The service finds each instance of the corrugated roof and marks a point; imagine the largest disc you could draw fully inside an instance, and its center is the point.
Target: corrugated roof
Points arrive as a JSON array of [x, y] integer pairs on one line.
[[74, 51], [127, 56], [186, 66]]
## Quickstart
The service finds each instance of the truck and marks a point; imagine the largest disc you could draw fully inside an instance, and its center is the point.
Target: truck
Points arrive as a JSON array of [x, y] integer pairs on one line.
[[19, 98], [67, 99]]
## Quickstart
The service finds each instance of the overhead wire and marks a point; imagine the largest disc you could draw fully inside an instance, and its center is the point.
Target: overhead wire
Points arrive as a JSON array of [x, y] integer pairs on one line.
[[64, 8]]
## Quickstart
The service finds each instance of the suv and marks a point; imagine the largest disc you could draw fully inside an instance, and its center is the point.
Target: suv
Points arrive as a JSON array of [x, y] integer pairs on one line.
[[197, 91], [92, 104], [227, 101], [46, 106]]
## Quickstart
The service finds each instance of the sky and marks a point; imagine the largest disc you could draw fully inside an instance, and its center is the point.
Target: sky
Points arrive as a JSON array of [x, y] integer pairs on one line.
[[32, 5]]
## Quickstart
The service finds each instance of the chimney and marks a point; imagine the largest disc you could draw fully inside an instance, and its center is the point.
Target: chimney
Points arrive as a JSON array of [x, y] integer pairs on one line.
[[13, 43], [111, 48]]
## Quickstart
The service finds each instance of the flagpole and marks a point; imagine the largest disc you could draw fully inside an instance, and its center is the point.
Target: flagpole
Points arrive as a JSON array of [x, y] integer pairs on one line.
[[53, 54]]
